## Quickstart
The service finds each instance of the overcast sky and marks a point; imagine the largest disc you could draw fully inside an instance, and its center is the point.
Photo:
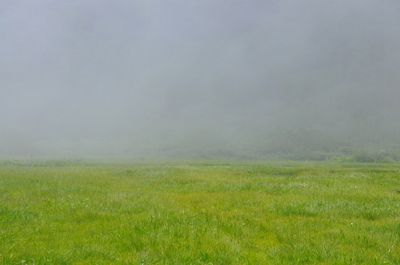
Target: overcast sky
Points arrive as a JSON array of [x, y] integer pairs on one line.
[[99, 76]]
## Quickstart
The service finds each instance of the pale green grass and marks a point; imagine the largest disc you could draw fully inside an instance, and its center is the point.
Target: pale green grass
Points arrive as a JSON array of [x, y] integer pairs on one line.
[[199, 213]]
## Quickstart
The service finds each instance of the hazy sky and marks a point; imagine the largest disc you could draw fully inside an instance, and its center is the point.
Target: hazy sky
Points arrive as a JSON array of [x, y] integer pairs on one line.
[[114, 76]]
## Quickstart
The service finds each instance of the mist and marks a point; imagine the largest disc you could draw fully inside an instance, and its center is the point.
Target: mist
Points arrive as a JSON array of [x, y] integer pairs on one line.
[[199, 79]]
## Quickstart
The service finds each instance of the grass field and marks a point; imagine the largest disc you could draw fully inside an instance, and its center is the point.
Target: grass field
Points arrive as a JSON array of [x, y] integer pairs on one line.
[[199, 213]]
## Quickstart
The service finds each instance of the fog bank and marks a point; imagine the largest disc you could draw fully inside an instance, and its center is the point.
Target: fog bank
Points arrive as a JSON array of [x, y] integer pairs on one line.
[[245, 79]]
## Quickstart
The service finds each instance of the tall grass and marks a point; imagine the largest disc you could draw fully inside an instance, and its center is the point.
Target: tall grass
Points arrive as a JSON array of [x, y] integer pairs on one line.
[[199, 213]]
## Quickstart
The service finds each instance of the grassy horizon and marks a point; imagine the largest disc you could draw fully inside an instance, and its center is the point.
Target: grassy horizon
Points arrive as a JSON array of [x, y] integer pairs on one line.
[[198, 212]]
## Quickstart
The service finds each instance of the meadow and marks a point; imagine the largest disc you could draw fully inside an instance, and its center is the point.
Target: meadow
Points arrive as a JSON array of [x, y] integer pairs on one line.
[[199, 213]]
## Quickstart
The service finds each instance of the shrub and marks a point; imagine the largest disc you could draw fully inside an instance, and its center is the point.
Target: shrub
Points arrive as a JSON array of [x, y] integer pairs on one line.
[[364, 156], [371, 156]]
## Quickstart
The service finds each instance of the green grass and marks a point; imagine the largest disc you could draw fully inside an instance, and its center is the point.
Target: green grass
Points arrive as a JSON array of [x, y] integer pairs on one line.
[[199, 213]]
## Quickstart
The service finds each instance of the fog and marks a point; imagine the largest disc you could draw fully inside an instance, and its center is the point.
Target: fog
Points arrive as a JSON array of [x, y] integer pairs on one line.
[[199, 79]]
